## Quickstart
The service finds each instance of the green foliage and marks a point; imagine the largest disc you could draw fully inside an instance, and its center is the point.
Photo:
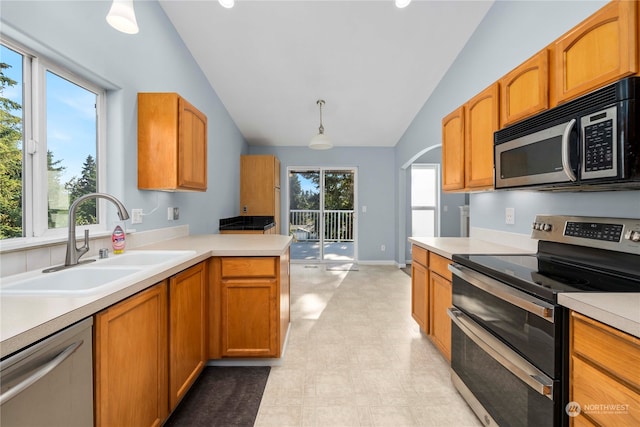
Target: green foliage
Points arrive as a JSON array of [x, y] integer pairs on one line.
[[86, 183], [11, 164]]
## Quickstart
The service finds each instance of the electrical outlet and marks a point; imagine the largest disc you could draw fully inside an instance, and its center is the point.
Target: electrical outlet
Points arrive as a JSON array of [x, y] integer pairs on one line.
[[510, 216], [173, 213], [383, 248], [136, 216]]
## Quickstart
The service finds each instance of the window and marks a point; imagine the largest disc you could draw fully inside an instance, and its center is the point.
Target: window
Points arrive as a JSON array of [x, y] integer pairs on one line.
[[424, 200], [50, 144]]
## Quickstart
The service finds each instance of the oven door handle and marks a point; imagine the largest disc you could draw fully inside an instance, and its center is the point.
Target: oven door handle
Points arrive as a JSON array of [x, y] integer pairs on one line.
[[504, 292], [501, 353]]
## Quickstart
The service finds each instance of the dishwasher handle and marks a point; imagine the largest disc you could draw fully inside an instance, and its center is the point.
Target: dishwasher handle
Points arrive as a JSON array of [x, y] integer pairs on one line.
[[40, 372]]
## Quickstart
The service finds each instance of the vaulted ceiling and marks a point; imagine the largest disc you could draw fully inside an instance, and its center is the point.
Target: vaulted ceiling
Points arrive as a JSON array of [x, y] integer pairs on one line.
[[374, 65]]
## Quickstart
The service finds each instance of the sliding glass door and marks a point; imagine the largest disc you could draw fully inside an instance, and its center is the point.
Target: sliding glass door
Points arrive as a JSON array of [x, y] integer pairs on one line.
[[322, 216]]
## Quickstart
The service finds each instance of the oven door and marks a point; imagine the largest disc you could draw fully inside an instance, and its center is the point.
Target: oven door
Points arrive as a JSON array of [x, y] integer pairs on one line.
[[546, 157], [501, 387]]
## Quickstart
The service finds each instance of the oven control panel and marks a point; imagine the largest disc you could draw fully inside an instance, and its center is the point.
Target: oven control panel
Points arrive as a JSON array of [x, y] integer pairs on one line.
[[617, 234]]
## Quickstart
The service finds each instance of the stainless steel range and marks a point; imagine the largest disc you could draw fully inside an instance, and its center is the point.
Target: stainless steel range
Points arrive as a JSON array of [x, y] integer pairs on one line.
[[509, 342]]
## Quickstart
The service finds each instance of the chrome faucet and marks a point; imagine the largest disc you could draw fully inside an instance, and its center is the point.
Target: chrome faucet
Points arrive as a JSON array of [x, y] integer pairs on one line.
[[73, 252]]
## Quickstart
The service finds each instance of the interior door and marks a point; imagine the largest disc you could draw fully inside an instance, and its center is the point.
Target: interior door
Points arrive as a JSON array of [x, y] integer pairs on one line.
[[322, 216]]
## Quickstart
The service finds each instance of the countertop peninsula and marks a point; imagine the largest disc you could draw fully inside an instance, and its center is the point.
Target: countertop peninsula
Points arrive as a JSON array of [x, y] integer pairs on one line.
[[27, 319]]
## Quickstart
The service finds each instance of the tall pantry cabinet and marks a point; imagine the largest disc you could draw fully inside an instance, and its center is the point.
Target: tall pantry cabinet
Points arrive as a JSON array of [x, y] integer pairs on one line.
[[260, 187]]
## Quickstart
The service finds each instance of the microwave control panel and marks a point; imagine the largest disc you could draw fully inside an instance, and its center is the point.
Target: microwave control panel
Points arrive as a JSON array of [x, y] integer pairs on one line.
[[599, 145]]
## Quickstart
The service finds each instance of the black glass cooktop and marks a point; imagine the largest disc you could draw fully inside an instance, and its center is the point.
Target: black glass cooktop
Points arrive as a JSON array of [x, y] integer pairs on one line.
[[545, 274]]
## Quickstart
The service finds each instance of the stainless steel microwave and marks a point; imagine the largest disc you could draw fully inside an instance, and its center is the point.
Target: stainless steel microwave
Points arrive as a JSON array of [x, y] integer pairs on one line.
[[590, 143]]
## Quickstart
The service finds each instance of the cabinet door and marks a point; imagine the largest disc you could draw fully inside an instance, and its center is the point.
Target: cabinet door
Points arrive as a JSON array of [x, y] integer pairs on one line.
[[600, 50], [453, 151], [480, 122], [192, 147], [419, 295], [440, 300], [525, 90], [131, 361], [249, 317], [187, 324], [257, 185]]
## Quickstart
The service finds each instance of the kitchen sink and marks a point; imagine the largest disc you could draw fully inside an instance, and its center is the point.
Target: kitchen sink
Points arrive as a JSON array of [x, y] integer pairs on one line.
[[75, 281], [144, 258]]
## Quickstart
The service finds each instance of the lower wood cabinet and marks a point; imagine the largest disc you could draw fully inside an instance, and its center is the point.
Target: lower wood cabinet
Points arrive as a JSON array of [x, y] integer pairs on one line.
[[604, 374], [187, 323], [431, 297], [131, 361], [149, 349], [251, 308]]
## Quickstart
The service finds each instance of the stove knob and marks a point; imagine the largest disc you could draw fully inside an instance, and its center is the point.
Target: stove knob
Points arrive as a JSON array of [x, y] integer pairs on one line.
[[633, 235], [535, 226], [547, 227]]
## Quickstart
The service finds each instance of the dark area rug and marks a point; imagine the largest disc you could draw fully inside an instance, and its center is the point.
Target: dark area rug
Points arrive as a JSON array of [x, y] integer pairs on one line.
[[222, 397]]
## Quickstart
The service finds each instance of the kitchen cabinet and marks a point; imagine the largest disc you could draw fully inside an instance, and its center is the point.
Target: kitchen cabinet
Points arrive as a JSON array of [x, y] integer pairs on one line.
[[467, 142], [131, 368], [524, 91], [420, 287], [480, 122], [187, 323], [604, 373], [172, 144], [600, 50], [431, 297], [251, 307], [453, 150], [440, 297], [260, 187]]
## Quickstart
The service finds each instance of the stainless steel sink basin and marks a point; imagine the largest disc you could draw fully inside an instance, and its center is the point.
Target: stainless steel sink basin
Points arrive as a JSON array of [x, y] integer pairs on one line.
[[145, 258], [77, 281]]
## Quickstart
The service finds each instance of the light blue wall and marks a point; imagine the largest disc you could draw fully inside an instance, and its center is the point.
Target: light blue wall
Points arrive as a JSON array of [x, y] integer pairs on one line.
[[375, 190], [511, 32], [76, 34]]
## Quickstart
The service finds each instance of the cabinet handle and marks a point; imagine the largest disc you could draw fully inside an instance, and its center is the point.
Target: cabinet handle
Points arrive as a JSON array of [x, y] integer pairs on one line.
[[39, 372]]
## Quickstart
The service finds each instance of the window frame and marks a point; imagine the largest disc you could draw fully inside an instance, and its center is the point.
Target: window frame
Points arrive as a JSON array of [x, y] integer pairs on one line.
[[34, 145], [436, 206]]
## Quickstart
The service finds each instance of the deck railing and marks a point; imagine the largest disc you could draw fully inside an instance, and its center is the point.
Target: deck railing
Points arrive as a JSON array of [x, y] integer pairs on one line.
[[304, 225]]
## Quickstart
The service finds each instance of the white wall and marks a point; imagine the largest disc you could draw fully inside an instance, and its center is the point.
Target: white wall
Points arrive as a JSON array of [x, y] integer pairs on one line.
[[154, 60], [511, 32]]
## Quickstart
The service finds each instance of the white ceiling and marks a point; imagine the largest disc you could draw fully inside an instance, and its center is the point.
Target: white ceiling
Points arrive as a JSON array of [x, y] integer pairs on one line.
[[373, 64]]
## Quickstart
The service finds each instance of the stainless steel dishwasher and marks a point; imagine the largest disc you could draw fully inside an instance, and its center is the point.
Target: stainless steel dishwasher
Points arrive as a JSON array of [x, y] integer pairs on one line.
[[51, 382]]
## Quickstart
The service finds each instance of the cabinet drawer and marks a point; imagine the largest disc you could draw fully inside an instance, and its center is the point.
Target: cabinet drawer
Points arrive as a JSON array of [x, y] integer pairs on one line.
[[419, 255], [249, 267], [607, 347], [601, 397], [440, 265]]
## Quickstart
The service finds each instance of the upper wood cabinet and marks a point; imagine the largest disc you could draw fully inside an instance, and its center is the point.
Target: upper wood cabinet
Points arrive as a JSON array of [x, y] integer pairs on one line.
[[260, 187], [525, 90], [480, 122], [467, 142], [172, 144], [598, 51], [453, 151]]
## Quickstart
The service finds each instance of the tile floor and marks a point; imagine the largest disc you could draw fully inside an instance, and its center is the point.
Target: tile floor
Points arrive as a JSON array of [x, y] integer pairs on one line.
[[355, 357]]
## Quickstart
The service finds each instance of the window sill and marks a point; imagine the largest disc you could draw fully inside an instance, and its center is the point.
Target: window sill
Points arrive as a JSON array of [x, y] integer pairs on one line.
[[15, 245]]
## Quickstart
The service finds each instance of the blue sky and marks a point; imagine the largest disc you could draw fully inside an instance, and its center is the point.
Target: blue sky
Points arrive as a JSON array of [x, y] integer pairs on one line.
[[71, 121]]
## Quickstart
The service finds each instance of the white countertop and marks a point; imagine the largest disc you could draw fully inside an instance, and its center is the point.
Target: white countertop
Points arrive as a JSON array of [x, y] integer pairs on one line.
[[619, 310], [447, 246], [27, 319]]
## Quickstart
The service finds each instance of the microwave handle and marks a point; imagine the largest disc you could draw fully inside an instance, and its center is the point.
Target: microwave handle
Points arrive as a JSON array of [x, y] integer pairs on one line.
[[566, 165]]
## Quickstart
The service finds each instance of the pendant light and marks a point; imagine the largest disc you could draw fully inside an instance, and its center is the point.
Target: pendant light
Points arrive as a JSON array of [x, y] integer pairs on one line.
[[400, 4], [320, 141], [227, 3], [122, 17]]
